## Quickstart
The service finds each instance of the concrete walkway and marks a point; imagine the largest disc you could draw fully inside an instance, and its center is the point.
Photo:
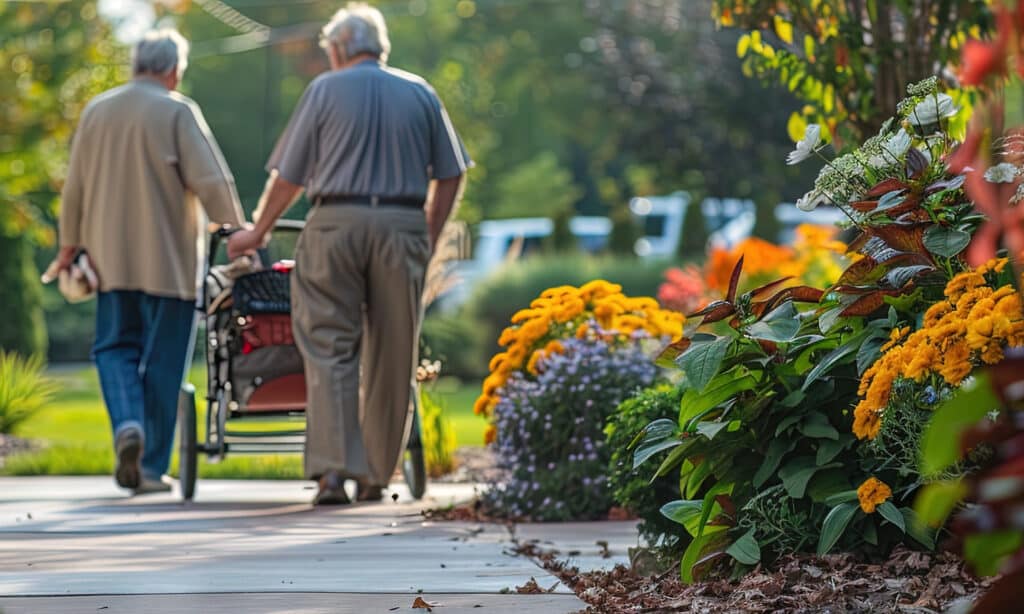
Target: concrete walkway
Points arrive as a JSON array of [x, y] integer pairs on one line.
[[79, 544]]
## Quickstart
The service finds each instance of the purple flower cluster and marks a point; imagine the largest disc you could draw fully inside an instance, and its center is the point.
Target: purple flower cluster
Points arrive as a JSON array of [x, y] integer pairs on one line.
[[551, 429]]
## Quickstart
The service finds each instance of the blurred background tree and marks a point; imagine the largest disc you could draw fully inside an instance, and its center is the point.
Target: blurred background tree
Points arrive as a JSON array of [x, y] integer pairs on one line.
[[849, 61], [55, 57]]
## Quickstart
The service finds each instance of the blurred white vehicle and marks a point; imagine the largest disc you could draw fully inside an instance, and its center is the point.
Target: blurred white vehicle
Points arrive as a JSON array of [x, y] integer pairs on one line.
[[500, 241], [661, 223]]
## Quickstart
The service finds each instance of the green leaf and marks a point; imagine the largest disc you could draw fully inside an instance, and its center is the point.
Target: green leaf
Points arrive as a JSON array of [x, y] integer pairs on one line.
[[870, 533], [937, 500], [986, 551], [827, 321], [946, 242], [656, 436], [940, 441], [711, 509], [710, 429], [827, 483], [727, 385], [697, 477], [781, 325], [696, 550], [798, 472], [869, 352], [841, 497], [787, 422], [685, 512], [917, 529], [893, 515], [834, 526], [833, 358], [793, 398], [830, 448], [745, 549], [776, 450], [673, 459], [817, 425], [703, 360]]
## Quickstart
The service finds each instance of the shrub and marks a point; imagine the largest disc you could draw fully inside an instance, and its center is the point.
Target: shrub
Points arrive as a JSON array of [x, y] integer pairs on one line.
[[24, 389], [632, 487], [549, 428], [458, 342]]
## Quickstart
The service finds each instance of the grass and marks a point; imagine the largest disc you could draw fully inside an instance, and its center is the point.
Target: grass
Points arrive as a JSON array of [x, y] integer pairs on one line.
[[74, 432]]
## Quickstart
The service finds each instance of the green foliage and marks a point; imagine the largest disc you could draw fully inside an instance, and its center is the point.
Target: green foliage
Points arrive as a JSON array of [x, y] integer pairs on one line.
[[624, 233], [849, 61], [694, 237], [439, 440], [24, 389], [23, 330], [459, 342], [538, 186], [633, 489]]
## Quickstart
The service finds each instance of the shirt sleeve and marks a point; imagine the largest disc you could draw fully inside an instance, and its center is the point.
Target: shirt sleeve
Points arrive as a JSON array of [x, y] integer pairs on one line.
[[204, 170], [69, 225], [448, 156], [294, 156]]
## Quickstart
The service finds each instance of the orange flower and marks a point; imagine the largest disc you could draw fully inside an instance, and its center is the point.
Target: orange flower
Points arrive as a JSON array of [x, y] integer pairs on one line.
[[872, 493], [490, 434]]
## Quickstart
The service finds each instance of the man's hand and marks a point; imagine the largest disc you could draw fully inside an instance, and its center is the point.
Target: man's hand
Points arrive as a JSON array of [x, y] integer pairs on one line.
[[245, 241], [66, 256]]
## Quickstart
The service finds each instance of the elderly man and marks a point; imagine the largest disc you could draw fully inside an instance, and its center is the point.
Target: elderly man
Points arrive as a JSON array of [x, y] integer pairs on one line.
[[140, 158], [367, 143]]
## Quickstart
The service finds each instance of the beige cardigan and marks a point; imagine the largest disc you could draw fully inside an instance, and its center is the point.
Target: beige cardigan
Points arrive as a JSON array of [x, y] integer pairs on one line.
[[141, 158]]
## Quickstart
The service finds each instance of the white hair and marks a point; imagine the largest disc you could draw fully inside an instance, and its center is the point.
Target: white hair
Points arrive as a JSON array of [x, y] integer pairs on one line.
[[358, 28], [159, 52]]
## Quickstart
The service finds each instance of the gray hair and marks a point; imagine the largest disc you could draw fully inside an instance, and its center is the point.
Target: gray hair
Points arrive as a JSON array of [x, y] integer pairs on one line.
[[357, 28], [159, 52]]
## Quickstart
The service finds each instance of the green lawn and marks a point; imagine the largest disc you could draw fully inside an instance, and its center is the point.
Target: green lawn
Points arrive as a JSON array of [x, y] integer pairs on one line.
[[75, 432]]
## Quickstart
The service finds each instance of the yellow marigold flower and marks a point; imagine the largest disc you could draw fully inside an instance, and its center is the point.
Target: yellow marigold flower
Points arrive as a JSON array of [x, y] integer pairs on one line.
[[497, 361], [482, 405], [558, 291], [967, 301], [492, 383], [534, 329], [490, 434], [628, 321], [895, 336], [582, 331], [993, 354], [554, 347], [605, 312], [981, 332], [516, 355], [1008, 306], [872, 493], [543, 304], [599, 288], [643, 303], [867, 421], [881, 386], [963, 283], [569, 310], [924, 360], [535, 358], [995, 265], [508, 336], [956, 363], [936, 312], [523, 315]]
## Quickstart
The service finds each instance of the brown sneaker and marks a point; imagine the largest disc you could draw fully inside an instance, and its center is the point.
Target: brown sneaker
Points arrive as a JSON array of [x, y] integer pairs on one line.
[[128, 449], [332, 490], [368, 492]]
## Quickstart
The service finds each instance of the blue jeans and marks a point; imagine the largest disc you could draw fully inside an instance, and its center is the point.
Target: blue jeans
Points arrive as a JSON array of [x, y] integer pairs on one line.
[[142, 342]]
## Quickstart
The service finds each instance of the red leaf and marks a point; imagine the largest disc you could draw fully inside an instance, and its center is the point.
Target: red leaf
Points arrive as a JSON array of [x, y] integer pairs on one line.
[[858, 242], [719, 313], [864, 305], [762, 291], [859, 272], [1003, 596], [734, 280], [884, 187], [864, 206], [911, 202], [909, 238]]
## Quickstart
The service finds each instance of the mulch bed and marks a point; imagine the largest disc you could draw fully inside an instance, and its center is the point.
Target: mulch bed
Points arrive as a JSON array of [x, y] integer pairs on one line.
[[908, 581]]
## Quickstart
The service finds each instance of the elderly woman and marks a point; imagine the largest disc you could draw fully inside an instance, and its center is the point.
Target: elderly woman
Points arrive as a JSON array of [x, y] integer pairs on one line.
[[368, 144], [140, 159]]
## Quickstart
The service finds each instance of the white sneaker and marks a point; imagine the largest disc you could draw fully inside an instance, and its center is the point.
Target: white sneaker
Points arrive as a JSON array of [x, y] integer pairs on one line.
[[149, 485]]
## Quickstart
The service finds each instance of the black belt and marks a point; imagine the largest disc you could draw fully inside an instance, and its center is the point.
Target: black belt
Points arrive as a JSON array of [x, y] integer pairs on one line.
[[368, 200]]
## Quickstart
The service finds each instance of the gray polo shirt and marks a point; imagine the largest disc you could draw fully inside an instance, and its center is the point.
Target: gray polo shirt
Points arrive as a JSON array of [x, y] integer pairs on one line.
[[368, 130]]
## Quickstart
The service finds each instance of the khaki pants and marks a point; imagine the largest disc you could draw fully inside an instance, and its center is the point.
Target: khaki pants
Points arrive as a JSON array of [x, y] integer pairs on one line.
[[356, 294]]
